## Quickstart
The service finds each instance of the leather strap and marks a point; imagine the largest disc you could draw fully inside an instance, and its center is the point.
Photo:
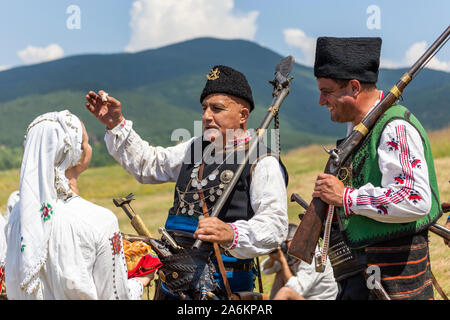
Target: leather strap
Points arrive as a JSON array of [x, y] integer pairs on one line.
[[438, 287], [215, 245], [261, 290]]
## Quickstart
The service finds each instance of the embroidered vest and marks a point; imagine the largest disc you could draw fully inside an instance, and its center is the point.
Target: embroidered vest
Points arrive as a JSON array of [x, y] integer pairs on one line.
[[360, 231]]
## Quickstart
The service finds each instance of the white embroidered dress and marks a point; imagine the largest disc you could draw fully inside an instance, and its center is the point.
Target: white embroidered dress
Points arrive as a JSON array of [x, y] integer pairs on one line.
[[61, 246]]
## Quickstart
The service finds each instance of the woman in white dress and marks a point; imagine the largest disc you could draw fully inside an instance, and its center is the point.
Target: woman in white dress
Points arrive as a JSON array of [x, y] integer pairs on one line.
[[61, 246]]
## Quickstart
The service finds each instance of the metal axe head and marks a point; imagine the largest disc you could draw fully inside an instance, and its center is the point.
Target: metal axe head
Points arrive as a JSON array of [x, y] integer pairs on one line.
[[283, 69], [121, 201]]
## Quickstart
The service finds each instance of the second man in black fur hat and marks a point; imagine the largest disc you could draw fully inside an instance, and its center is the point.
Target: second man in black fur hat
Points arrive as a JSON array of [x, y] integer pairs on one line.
[[388, 195]]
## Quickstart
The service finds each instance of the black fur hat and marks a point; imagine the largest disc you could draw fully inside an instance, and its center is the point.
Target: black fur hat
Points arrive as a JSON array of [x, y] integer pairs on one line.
[[223, 79], [348, 58]]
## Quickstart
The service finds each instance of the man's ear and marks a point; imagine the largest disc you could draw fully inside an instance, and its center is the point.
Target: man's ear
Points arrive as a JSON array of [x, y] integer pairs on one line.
[[355, 86], [245, 113]]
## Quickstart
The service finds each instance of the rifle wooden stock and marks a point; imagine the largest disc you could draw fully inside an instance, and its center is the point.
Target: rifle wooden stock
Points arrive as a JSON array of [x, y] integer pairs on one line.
[[305, 239], [304, 243]]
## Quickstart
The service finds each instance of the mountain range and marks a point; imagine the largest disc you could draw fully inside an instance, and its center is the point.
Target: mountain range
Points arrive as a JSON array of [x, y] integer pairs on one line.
[[160, 88]]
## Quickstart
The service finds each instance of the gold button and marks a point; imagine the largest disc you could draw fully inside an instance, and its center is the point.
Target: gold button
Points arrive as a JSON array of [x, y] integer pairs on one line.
[[174, 275]]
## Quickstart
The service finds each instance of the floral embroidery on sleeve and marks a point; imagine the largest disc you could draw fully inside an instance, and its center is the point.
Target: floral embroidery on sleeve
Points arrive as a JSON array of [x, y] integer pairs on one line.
[[46, 211], [415, 163], [22, 247], [392, 145], [116, 246], [406, 178], [116, 243]]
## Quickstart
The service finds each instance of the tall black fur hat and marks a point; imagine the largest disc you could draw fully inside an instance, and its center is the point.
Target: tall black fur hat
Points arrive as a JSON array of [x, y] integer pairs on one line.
[[348, 58], [223, 79]]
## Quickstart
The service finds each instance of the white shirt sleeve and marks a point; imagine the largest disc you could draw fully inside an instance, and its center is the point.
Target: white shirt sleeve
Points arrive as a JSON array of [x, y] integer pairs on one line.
[[304, 278], [146, 163], [404, 194], [12, 200], [268, 228], [313, 285], [276, 266]]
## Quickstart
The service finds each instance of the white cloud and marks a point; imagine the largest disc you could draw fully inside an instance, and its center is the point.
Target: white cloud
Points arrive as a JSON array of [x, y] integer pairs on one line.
[[411, 55], [3, 68], [417, 49], [156, 23], [298, 39], [32, 55]]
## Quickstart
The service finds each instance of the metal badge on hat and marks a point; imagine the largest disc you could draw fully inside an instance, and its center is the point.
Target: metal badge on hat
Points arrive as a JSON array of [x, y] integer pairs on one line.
[[213, 74]]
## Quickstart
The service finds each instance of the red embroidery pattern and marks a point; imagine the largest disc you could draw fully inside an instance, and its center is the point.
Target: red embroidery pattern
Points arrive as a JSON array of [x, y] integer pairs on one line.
[[400, 179], [416, 163], [407, 179], [116, 243], [348, 202], [392, 145], [414, 197], [382, 209], [2, 278], [236, 236], [46, 211]]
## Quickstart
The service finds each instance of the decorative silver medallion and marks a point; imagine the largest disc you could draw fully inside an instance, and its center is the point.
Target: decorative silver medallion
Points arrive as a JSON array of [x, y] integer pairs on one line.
[[226, 176]]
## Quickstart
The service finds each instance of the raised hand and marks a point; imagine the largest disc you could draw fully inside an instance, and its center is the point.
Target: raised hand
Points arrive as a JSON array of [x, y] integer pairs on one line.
[[105, 108]]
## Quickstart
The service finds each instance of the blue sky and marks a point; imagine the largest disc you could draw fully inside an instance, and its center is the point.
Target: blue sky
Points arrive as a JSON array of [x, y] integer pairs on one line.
[[36, 31]]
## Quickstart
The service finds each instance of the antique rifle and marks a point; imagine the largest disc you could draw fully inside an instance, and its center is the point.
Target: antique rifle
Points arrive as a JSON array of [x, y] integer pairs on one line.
[[281, 85], [307, 235]]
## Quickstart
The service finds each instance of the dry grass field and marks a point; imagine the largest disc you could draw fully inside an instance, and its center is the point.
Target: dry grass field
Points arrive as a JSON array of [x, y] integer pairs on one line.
[[100, 185]]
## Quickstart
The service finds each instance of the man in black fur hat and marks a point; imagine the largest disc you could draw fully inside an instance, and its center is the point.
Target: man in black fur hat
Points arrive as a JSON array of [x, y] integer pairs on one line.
[[254, 220], [386, 195]]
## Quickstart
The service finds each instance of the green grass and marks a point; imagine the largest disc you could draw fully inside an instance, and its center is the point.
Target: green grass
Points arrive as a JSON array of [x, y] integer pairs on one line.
[[152, 203]]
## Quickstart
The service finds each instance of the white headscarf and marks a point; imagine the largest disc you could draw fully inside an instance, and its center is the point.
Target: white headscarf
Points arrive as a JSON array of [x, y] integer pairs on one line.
[[52, 145]]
